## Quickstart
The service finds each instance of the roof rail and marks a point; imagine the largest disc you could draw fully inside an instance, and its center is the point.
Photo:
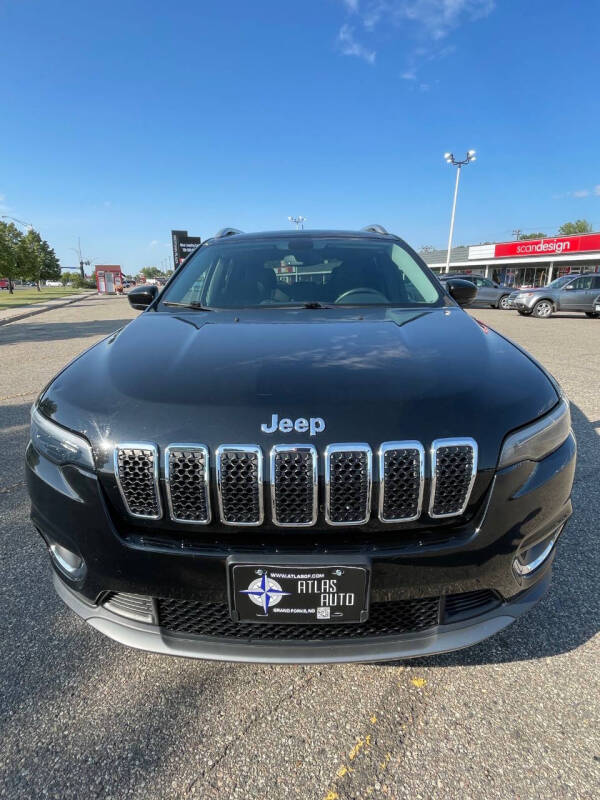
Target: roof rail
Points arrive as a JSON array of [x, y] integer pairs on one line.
[[375, 229], [227, 232]]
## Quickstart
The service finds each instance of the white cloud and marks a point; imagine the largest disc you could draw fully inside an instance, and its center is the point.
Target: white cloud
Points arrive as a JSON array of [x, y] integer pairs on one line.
[[435, 18], [350, 47], [409, 75], [597, 189], [107, 204], [581, 193], [425, 22], [3, 204]]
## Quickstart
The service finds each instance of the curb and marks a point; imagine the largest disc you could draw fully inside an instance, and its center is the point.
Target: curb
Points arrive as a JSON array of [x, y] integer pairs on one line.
[[31, 312]]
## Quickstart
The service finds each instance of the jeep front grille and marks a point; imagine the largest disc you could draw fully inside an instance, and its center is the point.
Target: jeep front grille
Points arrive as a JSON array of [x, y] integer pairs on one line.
[[186, 476], [240, 484], [294, 496], [348, 480], [402, 478], [453, 470], [294, 485], [136, 470]]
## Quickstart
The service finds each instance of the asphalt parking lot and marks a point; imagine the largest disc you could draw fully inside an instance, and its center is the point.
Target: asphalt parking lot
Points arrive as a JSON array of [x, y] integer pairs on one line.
[[517, 716]]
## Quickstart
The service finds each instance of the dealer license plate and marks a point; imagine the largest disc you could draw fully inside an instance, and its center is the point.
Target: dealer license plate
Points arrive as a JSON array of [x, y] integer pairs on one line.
[[299, 594]]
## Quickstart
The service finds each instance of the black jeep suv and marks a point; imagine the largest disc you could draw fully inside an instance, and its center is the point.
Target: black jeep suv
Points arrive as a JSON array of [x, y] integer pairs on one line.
[[322, 460]]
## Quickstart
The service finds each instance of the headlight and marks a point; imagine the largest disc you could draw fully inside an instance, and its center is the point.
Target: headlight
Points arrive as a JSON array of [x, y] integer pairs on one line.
[[59, 444], [539, 439]]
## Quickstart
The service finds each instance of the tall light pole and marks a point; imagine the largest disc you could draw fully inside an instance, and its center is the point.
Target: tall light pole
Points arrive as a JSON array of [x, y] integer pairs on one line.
[[458, 164], [20, 221], [300, 220]]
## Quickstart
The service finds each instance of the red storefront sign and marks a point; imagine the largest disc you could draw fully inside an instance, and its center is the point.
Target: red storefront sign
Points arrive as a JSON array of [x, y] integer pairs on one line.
[[559, 245]]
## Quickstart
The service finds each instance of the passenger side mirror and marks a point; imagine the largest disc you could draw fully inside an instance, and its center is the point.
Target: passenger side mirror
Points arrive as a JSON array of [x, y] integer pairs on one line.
[[464, 292], [569, 287], [141, 297]]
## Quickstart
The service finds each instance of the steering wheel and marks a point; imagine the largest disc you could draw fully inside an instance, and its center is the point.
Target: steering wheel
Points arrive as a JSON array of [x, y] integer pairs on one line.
[[362, 290]]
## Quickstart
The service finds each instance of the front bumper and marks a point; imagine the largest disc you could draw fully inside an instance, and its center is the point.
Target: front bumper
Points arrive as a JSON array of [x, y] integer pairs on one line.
[[526, 504], [524, 304], [441, 639]]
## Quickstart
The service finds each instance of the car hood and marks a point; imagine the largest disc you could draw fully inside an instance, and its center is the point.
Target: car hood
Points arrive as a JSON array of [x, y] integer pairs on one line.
[[373, 376]]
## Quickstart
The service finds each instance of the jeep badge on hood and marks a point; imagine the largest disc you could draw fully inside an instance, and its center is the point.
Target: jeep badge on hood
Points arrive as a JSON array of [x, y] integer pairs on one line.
[[313, 425]]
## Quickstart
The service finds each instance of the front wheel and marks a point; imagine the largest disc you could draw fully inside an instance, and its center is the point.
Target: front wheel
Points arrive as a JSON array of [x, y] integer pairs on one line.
[[592, 314], [503, 304], [543, 309]]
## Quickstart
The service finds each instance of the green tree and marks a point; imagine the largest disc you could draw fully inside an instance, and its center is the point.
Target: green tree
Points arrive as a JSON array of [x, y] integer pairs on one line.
[[10, 266], [30, 257], [150, 272], [571, 228], [51, 266], [69, 277], [539, 235], [37, 259]]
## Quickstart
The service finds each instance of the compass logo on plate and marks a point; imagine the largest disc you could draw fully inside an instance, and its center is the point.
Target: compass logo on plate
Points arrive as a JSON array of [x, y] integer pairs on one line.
[[264, 592]]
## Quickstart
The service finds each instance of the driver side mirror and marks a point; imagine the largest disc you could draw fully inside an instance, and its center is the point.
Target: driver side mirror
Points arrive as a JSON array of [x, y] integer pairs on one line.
[[464, 292], [141, 297]]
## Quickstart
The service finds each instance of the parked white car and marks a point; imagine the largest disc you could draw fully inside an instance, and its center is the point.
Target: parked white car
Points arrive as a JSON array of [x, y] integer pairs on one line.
[[53, 283]]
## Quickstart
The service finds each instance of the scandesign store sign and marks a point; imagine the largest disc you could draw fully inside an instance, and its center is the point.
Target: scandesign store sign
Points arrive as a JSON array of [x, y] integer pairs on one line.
[[544, 247]]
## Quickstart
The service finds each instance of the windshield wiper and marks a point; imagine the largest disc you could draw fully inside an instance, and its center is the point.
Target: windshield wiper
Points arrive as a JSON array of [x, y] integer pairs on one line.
[[195, 306]]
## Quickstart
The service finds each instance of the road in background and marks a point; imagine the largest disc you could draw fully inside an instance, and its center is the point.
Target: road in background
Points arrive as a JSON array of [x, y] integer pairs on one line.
[[81, 716]]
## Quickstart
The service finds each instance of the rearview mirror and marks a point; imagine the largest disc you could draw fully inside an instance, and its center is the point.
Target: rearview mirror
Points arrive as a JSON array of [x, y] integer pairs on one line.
[[464, 292], [141, 297]]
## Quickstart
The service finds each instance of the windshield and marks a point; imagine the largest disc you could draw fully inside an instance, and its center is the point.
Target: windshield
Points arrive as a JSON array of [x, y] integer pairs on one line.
[[318, 271], [561, 281]]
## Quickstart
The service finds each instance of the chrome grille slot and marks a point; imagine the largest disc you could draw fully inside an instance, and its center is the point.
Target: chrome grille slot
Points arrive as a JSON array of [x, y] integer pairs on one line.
[[135, 606], [239, 484], [293, 473], [186, 475], [348, 482], [136, 471], [401, 480], [453, 470]]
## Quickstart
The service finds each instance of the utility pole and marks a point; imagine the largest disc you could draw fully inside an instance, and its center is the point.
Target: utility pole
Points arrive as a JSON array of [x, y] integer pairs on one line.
[[300, 220], [517, 233], [459, 164], [82, 262]]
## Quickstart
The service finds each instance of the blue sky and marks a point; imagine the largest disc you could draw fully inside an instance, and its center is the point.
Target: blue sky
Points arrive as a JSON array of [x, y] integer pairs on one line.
[[122, 120]]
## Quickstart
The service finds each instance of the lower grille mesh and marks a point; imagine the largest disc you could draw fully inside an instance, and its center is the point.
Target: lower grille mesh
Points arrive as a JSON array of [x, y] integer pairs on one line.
[[212, 619]]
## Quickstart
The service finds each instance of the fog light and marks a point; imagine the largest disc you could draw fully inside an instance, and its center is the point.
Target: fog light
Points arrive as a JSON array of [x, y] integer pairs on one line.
[[67, 561], [533, 558]]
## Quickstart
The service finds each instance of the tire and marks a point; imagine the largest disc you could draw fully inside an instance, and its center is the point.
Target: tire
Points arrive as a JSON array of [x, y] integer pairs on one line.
[[503, 303], [592, 314], [543, 309]]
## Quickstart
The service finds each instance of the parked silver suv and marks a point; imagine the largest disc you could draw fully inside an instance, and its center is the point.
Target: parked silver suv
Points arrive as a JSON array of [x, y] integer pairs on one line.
[[489, 293], [568, 293]]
